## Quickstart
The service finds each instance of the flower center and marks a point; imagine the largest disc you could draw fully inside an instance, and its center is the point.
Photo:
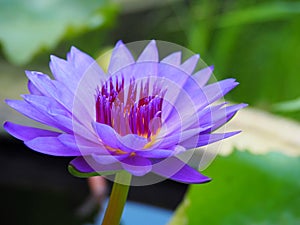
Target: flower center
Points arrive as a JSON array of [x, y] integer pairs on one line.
[[130, 107]]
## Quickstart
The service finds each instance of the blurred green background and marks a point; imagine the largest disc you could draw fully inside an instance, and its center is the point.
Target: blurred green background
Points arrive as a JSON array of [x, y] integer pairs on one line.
[[255, 41]]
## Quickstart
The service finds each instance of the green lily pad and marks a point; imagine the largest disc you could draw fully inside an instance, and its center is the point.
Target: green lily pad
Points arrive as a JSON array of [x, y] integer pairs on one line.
[[29, 26], [246, 189]]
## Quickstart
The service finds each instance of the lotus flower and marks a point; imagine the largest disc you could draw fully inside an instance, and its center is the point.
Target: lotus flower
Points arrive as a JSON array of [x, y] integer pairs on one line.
[[138, 116]]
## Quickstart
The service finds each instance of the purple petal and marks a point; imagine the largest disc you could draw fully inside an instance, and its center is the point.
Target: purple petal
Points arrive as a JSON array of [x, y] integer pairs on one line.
[[35, 78], [108, 159], [109, 137], [137, 166], [205, 139], [89, 165], [209, 110], [175, 169], [81, 165], [174, 79], [46, 104], [49, 108], [70, 72], [55, 112], [32, 89], [221, 116], [156, 153], [52, 88], [86, 147], [133, 141], [173, 75], [140, 70], [217, 90], [107, 134], [190, 64], [173, 59], [179, 110], [78, 79], [80, 60], [202, 76], [83, 107], [121, 57], [190, 100], [202, 97], [26, 133], [52, 146], [59, 122], [168, 139], [196, 82], [150, 53], [64, 72]]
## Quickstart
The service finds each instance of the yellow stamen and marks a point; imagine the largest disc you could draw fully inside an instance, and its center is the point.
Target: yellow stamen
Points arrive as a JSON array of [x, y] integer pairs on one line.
[[132, 154], [152, 140], [115, 150]]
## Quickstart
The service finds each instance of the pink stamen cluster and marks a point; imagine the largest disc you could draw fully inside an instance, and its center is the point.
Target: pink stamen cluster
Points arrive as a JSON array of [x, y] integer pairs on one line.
[[133, 109]]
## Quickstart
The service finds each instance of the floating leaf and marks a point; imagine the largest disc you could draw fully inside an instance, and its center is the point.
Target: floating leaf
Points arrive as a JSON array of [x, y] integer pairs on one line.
[[263, 132], [28, 26], [246, 189]]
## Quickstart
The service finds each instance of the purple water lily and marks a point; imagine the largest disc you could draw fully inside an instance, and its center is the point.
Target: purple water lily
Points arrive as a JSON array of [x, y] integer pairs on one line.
[[138, 116]]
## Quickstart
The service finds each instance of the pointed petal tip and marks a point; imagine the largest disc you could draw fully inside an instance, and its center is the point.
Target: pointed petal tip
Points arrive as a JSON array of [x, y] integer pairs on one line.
[[11, 102], [173, 58], [190, 64], [54, 61], [201, 180], [230, 134], [153, 42], [119, 42], [24, 96], [6, 101], [9, 128], [52, 58], [28, 73], [73, 51], [150, 53], [236, 107], [243, 105], [33, 74], [193, 179], [229, 82], [208, 179], [6, 124], [73, 48]]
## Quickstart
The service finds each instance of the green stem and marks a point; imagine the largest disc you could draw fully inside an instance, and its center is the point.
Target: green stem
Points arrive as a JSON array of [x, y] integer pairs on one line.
[[117, 199]]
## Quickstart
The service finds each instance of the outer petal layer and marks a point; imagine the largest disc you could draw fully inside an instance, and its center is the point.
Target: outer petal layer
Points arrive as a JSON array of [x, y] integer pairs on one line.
[[89, 165], [52, 146], [174, 169], [26, 133], [136, 165]]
